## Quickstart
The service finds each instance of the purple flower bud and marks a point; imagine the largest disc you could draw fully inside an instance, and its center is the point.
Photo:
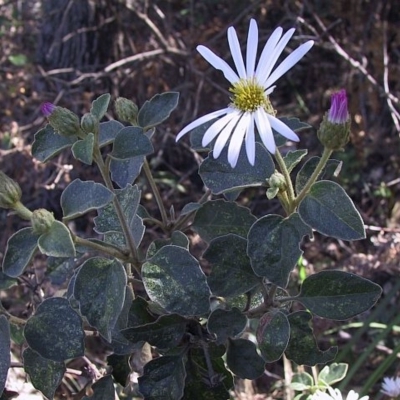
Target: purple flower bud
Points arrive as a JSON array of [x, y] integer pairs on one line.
[[338, 113], [334, 131], [47, 109]]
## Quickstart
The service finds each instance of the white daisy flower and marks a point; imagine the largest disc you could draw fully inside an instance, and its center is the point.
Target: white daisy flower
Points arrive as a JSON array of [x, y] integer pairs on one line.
[[250, 87], [391, 386], [335, 394]]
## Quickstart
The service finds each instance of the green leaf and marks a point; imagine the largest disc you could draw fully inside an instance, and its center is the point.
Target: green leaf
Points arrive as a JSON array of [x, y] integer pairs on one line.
[[219, 176], [45, 374], [124, 172], [163, 378], [243, 360], [219, 217], [173, 278], [273, 246], [165, 333], [333, 373], [48, 143], [118, 239], [57, 242], [231, 272], [301, 381], [108, 131], [107, 220], [226, 323], [131, 142], [15, 261], [99, 288], [5, 343], [273, 334], [338, 295], [19, 60], [157, 109], [189, 208], [119, 344], [100, 106], [308, 168], [80, 197], [82, 150], [121, 368], [292, 158], [177, 238], [196, 136], [199, 384], [302, 347], [329, 210], [55, 331], [103, 389]]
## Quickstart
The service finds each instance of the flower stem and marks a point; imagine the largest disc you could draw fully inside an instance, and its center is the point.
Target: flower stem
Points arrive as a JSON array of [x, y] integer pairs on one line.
[[314, 176], [289, 185], [156, 193], [117, 205], [110, 250]]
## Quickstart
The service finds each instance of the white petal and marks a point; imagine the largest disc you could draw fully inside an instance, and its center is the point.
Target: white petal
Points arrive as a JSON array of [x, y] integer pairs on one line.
[[264, 130], [252, 44], [266, 70], [282, 128], [267, 52], [218, 63], [200, 121], [213, 131], [250, 141], [224, 135], [237, 139], [292, 59], [236, 52]]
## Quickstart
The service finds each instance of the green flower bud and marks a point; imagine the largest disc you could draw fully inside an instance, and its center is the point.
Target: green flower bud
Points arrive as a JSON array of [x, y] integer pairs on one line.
[[126, 110], [64, 121], [42, 220], [10, 192], [277, 183], [89, 123], [334, 132]]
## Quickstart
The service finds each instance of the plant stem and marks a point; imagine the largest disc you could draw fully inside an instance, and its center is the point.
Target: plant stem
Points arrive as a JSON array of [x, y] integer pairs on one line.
[[22, 211], [289, 186], [156, 193], [117, 205], [182, 220], [111, 251], [314, 176], [11, 318]]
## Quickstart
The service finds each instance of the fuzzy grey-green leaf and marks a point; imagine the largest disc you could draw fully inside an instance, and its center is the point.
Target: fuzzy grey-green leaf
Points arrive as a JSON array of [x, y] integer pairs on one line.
[[100, 106], [100, 291], [79, 197], [15, 261], [329, 210], [131, 142], [173, 278], [57, 242], [83, 149], [338, 295], [55, 330], [45, 374], [5, 344]]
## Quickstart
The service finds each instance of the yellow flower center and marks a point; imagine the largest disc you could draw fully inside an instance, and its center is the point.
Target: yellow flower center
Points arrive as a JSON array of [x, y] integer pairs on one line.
[[248, 96]]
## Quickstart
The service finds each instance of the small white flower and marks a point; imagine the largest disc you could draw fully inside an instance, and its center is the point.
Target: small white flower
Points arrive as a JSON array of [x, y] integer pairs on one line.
[[391, 386], [250, 87], [335, 394]]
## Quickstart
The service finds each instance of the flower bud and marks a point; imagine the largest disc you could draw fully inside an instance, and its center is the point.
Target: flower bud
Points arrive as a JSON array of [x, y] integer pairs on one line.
[[277, 183], [10, 192], [42, 220], [334, 131], [126, 110], [89, 123], [64, 121]]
